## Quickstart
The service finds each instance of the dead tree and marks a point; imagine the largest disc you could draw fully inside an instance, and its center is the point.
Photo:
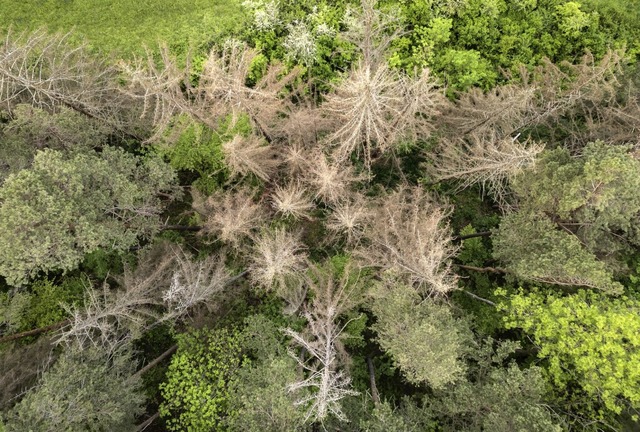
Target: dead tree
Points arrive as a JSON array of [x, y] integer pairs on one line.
[[50, 71], [326, 379]]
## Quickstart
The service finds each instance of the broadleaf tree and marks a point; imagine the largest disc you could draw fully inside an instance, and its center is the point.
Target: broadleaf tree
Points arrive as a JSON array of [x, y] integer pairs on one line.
[[587, 338]]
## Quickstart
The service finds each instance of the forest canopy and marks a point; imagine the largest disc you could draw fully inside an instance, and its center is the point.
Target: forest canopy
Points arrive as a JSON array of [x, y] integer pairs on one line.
[[348, 216]]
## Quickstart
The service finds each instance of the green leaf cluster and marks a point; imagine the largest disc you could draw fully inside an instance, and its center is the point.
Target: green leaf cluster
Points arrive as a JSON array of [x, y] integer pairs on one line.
[[260, 398], [534, 249], [29, 129], [309, 24], [588, 338], [66, 206], [469, 42], [492, 396], [85, 390], [198, 149], [576, 219], [42, 304], [196, 392], [505, 399], [424, 339]]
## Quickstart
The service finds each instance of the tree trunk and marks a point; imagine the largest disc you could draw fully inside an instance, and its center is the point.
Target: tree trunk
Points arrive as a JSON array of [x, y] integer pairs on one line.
[[180, 228], [33, 332], [147, 422], [468, 236], [372, 381], [483, 269], [472, 295], [155, 362]]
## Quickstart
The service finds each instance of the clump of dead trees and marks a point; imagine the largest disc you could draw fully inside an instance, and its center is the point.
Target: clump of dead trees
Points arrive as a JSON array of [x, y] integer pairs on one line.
[[312, 158]]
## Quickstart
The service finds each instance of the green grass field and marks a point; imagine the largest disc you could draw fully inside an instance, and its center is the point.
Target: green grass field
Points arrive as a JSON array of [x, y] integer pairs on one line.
[[123, 27]]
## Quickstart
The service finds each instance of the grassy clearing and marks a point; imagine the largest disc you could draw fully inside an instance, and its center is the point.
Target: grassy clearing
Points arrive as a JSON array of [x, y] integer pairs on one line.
[[123, 27]]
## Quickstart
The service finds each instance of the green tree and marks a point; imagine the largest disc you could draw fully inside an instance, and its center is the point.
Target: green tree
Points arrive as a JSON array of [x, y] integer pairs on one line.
[[469, 43], [64, 207], [304, 32], [196, 392], [588, 338], [406, 418], [490, 397], [495, 396], [424, 339], [534, 249], [30, 129], [41, 304], [576, 218], [260, 400], [200, 150], [85, 390], [596, 190], [21, 366]]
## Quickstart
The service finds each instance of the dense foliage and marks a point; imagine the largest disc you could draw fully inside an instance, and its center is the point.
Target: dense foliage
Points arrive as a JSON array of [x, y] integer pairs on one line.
[[470, 42], [588, 338], [198, 379], [82, 391], [65, 206]]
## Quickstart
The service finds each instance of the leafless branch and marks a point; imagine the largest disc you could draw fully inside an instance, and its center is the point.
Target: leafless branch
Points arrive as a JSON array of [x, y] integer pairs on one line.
[[250, 155], [407, 234], [49, 71], [485, 160], [349, 217], [277, 256], [292, 200], [329, 383], [230, 215], [167, 90], [331, 181], [163, 287], [376, 109]]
